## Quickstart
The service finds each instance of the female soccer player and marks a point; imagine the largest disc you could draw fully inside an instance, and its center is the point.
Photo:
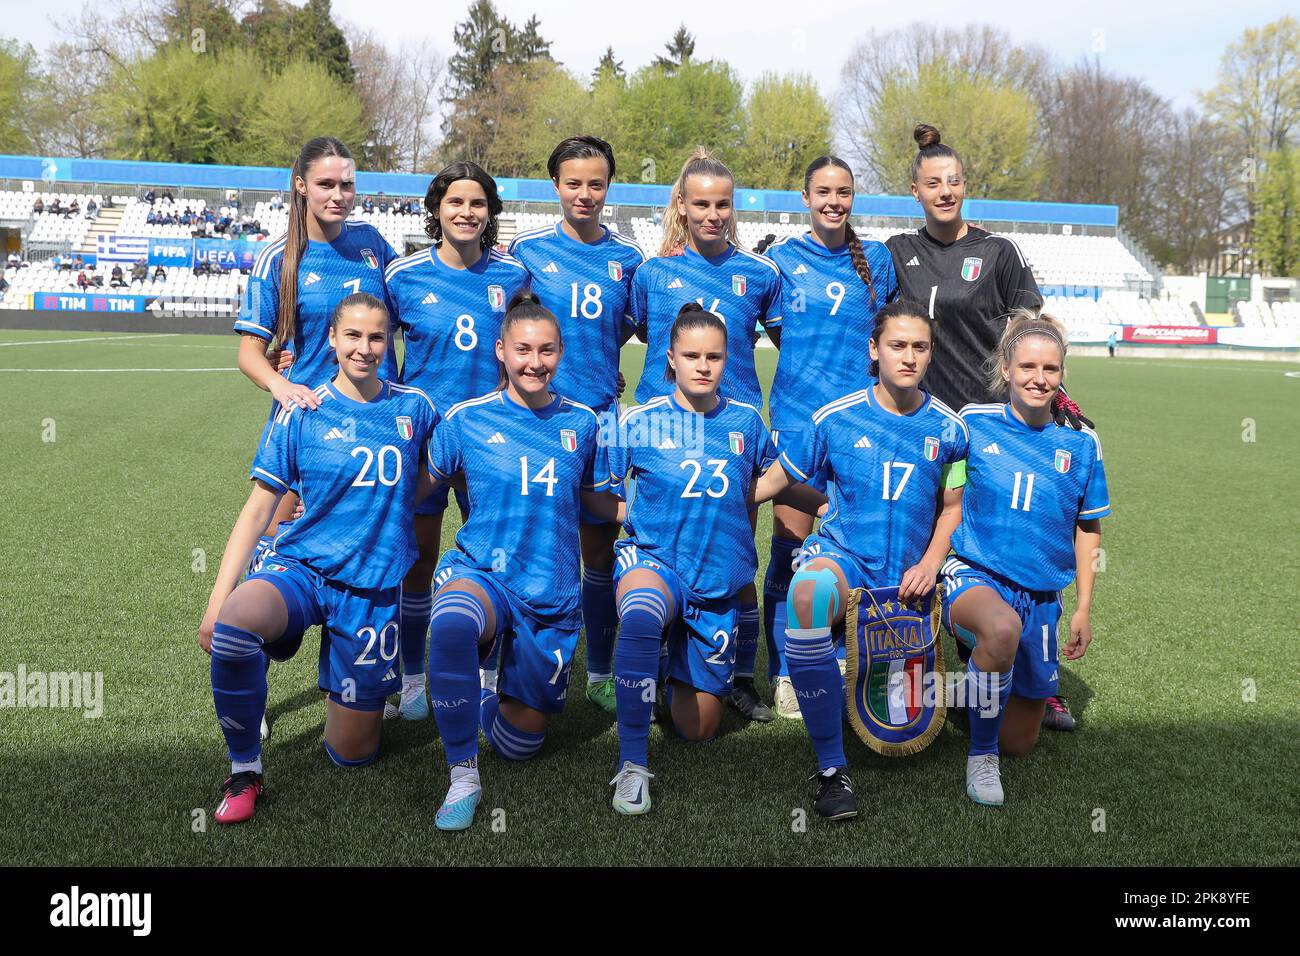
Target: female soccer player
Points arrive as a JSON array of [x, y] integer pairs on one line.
[[356, 457], [833, 286], [1030, 525], [527, 454], [971, 280], [892, 451], [741, 288], [690, 547], [582, 272], [449, 300]]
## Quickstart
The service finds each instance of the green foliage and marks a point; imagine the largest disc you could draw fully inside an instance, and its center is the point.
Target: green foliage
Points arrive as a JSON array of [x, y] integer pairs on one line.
[[608, 67], [158, 109], [205, 26], [281, 33], [1277, 215], [19, 88], [787, 126], [279, 125], [680, 50]]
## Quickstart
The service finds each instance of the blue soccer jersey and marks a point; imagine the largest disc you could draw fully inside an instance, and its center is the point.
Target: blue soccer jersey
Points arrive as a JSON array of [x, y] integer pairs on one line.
[[691, 475], [524, 471], [887, 471], [451, 320], [743, 289], [1026, 489], [355, 466], [589, 288], [328, 273], [827, 316]]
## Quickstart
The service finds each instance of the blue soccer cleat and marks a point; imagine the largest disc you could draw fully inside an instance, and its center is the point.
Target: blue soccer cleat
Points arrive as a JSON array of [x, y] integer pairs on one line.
[[457, 810]]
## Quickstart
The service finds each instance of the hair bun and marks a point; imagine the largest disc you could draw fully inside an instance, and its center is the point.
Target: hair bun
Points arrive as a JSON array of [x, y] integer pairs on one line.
[[522, 296], [925, 135], [691, 306]]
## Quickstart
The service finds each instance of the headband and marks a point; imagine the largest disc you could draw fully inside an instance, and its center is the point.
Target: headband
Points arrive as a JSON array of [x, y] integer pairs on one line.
[[1043, 330]]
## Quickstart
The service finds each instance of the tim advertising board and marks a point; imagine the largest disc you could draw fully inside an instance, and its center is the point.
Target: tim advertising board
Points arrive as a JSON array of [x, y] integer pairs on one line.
[[77, 302]]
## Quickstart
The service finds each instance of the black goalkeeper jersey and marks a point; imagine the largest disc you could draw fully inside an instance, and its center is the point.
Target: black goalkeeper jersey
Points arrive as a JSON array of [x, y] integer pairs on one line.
[[970, 287]]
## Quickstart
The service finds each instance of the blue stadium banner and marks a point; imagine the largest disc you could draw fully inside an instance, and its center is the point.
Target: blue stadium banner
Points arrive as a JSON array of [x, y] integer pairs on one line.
[[171, 252], [227, 253], [89, 302]]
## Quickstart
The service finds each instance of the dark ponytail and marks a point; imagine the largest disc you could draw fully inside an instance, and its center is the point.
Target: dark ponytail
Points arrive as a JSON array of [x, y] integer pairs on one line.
[[526, 307], [295, 244], [897, 309], [765, 242], [856, 255], [692, 315]]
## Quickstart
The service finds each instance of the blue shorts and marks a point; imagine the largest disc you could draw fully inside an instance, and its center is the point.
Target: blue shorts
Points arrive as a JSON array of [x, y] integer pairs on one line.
[[856, 573], [437, 502], [1037, 667], [818, 481], [359, 646], [701, 639], [535, 655]]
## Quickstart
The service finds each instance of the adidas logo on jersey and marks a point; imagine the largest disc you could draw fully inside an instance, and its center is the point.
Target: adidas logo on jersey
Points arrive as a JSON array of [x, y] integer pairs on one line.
[[912, 261], [311, 277], [675, 284], [430, 299], [992, 449], [551, 267], [497, 439], [800, 269], [863, 442], [332, 434]]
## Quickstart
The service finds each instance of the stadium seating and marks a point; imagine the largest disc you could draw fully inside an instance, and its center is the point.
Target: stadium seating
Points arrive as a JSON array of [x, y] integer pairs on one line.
[[1283, 316], [181, 291], [1119, 308]]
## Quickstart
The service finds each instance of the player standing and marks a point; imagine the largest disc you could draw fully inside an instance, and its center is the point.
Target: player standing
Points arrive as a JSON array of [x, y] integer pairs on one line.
[[449, 300], [692, 456], [1030, 525], [891, 451], [744, 290], [527, 454], [833, 286], [357, 458], [971, 281], [582, 272]]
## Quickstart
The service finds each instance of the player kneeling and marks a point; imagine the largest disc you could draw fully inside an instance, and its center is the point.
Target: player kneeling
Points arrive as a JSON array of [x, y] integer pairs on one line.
[[692, 457], [1030, 525], [356, 459], [511, 584]]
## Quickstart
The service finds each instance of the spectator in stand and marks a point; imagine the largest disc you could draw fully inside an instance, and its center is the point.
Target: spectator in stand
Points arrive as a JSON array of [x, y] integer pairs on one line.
[[208, 216], [14, 259], [151, 219], [39, 206], [78, 263], [82, 281], [211, 229], [383, 203], [159, 274], [55, 208], [74, 209], [56, 261], [367, 205], [139, 271], [149, 196], [92, 209], [277, 202], [118, 278], [4, 285], [167, 196]]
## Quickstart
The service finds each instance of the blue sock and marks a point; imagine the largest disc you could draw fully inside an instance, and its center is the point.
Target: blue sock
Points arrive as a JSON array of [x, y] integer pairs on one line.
[[817, 683], [239, 689], [642, 614], [746, 640], [506, 739], [413, 623], [985, 723], [776, 584], [458, 621], [600, 620]]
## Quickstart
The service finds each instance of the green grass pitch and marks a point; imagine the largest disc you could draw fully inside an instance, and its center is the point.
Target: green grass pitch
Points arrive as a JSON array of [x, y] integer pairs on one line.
[[1187, 700]]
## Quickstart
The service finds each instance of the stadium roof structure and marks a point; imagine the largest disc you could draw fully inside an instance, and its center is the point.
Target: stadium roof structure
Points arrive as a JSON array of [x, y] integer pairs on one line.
[[52, 170]]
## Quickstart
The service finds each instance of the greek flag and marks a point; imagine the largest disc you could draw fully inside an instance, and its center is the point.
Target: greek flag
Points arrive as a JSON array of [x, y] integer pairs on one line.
[[122, 248]]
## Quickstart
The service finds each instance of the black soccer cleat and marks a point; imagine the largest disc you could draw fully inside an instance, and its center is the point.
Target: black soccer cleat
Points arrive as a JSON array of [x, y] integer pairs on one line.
[[744, 697], [835, 799]]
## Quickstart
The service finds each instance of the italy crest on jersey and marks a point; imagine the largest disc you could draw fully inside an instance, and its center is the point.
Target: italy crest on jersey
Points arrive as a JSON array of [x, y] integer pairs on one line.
[[894, 674], [738, 285], [737, 442], [497, 297], [1062, 462], [370, 258], [931, 449], [970, 268], [568, 439], [616, 270], [404, 427]]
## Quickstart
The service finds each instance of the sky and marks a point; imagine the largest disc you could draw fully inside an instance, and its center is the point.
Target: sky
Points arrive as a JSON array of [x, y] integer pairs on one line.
[[1175, 47]]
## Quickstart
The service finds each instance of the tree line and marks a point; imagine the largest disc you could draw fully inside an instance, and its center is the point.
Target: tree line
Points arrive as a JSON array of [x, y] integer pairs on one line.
[[225, 81]]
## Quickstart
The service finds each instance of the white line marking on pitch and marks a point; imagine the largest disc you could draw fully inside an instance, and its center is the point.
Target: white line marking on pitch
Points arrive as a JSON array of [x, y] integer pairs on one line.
[[119, 369], [105, 338]]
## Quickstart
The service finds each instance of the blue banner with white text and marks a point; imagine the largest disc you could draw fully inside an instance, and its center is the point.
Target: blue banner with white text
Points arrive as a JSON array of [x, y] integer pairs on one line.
[[227, 253]]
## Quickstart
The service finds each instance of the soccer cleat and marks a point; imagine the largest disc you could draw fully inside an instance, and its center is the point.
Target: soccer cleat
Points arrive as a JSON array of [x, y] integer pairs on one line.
[[415, 704], [601, 694], [835, 799], [457, 810], [632, 789], [1057, 716], [983, 780], [744, 697], [239, 797], [265, 731], [787, 702]]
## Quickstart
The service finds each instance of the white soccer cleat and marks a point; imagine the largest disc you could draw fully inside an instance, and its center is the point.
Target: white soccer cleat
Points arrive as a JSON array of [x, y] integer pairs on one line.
[[785, 699], [265, 731], [414, 705], [984, 780], [632, 789]]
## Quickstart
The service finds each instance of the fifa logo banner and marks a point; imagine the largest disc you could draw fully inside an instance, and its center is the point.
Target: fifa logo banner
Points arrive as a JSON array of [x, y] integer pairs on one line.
[[894, 665]]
